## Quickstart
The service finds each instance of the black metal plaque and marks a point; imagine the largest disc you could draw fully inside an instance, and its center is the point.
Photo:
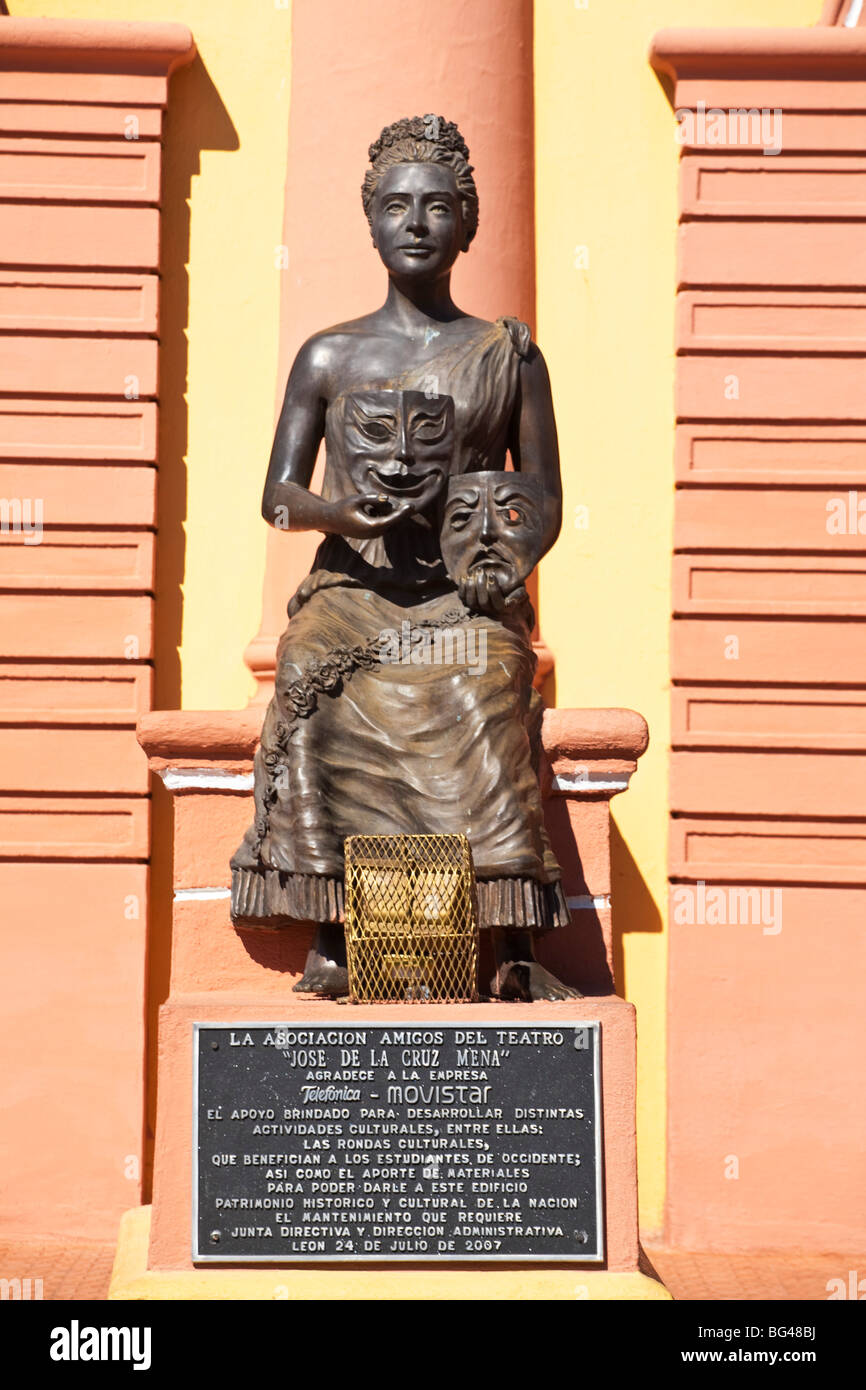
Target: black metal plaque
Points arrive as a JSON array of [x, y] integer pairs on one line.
[[398, 1142]]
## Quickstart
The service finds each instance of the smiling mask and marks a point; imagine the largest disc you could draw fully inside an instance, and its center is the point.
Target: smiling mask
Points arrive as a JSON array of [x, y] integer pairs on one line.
[[399, 443]]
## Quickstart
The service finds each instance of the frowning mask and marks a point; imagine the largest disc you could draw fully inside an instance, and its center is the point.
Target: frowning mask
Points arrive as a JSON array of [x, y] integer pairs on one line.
[[493, 521], [399, 443]]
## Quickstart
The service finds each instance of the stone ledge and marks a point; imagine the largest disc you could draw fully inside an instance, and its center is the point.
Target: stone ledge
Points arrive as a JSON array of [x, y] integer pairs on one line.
[[821, 51], [590, 751], [186, 738], [94, 45]]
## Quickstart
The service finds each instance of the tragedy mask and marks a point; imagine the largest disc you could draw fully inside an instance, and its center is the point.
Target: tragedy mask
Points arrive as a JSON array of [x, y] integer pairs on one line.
[[493, 521]]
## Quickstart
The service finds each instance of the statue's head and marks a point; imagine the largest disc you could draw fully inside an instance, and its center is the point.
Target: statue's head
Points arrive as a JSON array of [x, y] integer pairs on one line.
[[492, 521], [420, 197], [399, 443]]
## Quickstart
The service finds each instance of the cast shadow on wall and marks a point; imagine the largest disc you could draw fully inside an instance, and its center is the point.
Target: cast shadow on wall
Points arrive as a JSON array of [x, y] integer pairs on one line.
[[634, 907], [580, 953], [195, 120]]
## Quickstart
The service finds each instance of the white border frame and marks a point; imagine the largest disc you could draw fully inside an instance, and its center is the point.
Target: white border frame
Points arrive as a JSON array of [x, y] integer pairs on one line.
[[427, 1257]]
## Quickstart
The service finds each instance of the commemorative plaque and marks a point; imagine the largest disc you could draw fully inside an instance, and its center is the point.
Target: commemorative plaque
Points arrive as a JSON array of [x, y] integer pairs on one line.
[[419, 1142]]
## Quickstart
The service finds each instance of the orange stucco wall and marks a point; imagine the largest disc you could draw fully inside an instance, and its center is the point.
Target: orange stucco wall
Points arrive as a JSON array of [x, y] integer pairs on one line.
[[768, 868], [79, 324]]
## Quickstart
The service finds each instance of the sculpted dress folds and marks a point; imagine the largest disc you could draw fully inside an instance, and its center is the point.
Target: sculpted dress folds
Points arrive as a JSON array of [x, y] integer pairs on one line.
[[404, 701]]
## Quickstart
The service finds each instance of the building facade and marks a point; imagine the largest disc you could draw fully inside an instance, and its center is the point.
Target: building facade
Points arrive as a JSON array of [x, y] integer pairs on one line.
[[179, 210]]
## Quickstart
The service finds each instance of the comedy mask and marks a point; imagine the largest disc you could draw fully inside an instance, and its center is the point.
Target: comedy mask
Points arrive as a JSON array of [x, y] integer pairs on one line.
[[399, 443]]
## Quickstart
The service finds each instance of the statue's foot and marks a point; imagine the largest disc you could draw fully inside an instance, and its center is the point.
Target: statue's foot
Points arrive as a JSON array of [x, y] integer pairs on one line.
[[324, 978], [527, 980], [325, 971]]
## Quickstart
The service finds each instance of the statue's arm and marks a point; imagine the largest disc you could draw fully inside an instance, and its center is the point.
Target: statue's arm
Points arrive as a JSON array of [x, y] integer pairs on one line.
[[533, 443], [287, 501]]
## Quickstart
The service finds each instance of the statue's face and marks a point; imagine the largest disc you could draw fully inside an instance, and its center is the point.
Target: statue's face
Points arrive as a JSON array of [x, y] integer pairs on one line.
[[492, 521], [399, 443], [417, 220]]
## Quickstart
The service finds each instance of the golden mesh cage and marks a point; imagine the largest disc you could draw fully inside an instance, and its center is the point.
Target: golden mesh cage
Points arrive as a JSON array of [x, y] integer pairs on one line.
[[411, 923]]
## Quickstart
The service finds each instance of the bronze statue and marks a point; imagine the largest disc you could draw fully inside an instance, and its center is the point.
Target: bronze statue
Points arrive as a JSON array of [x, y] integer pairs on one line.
[[404, 701]]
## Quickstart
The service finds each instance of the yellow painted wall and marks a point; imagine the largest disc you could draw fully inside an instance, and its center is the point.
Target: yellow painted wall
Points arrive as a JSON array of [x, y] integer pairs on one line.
[[606, 181]]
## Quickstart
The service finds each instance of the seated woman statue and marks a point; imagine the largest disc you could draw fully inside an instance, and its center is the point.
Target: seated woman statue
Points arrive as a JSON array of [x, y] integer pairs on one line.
[[428, 541]]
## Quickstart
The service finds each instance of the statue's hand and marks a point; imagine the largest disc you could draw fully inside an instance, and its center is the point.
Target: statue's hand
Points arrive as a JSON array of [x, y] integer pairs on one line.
[[489, 589], [368, 514]]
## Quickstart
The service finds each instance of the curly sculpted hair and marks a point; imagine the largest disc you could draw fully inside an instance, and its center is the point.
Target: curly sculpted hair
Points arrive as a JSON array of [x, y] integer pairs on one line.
[[423, 140]]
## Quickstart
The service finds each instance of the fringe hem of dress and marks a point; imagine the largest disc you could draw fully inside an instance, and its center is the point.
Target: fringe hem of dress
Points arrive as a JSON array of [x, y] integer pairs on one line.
[[273, 898]]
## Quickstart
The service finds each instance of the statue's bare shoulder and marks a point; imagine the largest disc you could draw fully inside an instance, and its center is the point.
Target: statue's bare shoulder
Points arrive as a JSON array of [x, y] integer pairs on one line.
[[322, 359], [373, 347]]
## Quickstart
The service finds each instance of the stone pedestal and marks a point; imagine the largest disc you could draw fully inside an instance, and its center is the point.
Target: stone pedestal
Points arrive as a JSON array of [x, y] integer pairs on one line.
[[221, 975]]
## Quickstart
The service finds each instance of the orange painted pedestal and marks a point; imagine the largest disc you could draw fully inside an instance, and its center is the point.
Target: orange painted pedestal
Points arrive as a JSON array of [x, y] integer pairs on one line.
[[225, 976]]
